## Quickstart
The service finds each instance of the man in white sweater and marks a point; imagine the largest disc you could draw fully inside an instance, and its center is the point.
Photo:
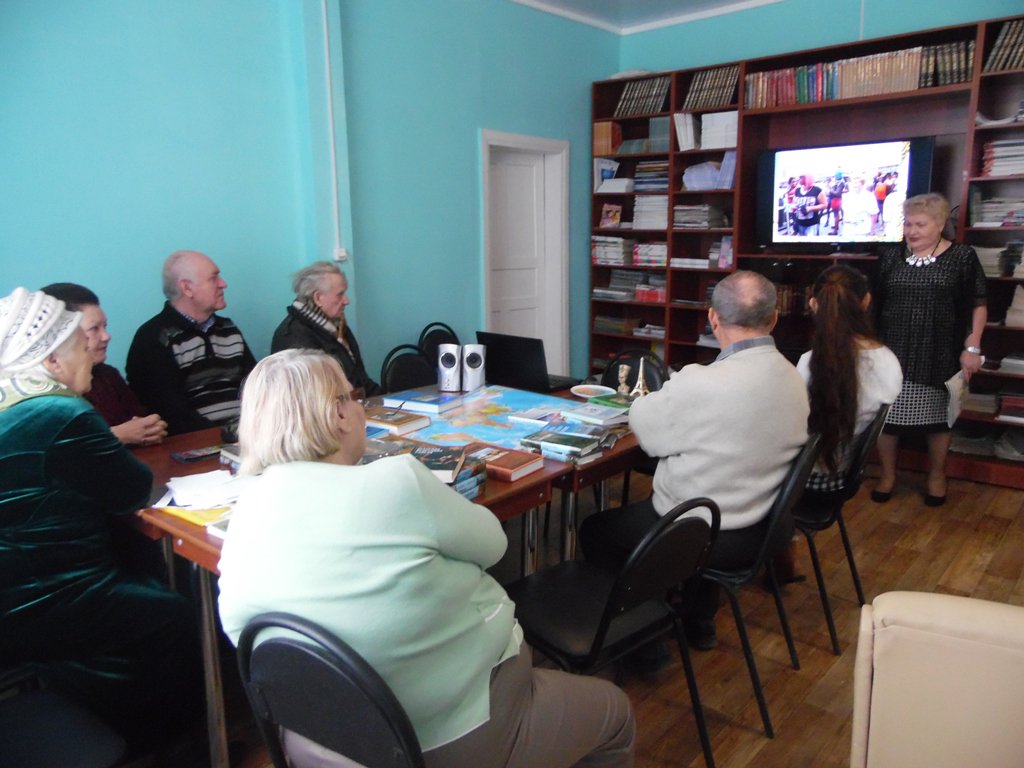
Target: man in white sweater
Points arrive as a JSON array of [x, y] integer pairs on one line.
[[728, 431]]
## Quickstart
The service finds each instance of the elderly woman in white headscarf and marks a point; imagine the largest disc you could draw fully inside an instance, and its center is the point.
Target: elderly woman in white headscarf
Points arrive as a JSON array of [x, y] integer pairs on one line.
[[120, 643]]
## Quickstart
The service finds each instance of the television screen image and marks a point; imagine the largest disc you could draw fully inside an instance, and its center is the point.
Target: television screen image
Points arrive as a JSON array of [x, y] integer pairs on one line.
[[845, 194]]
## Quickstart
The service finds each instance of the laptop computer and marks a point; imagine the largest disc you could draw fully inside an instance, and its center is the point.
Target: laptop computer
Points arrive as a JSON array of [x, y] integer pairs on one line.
[[518, 361]]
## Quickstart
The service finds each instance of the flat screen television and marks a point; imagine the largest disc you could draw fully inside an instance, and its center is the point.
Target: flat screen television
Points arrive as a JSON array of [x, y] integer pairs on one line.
[[845, 197]]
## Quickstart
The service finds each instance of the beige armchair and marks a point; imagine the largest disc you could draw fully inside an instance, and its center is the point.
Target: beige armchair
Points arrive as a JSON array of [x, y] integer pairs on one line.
[[938, 682]]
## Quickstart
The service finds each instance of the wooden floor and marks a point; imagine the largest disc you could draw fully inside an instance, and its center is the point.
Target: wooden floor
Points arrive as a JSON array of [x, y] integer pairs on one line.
[[972, 546]]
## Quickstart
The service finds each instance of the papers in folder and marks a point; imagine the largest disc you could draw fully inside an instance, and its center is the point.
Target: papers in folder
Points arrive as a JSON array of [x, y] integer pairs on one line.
[[957, 388], [204, 498]]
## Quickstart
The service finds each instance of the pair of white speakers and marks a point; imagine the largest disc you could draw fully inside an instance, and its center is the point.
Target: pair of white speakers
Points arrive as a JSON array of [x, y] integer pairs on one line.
[[460, 368]]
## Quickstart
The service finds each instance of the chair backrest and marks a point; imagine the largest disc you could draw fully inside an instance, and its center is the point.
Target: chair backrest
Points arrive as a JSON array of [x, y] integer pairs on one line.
[[318, 687], [781, 511], [405, 367], [432, 336], [673, 551], [862, 450], [655, 371], [938, 680]]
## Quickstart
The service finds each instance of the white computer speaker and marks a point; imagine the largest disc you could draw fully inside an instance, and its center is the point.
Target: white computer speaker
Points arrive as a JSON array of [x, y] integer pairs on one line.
[[473, 356], [449, 367]]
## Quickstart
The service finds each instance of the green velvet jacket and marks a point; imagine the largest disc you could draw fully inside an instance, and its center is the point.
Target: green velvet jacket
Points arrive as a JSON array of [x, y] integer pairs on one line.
[[64, 479]]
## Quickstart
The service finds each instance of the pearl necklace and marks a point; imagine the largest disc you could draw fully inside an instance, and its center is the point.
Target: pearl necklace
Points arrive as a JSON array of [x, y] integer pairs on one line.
[[923, 261]]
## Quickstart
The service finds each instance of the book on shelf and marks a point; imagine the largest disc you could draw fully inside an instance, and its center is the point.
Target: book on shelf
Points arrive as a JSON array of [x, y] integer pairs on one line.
[[712, 87], [719, 130], [1008, 48], [632, 147], [611, 215], [682, 262], [617, 185], [607, 137], [568, 445], [422, 401], [658, 133], [643, 96], [601, 415], [604, 168], [505, 464], [687, 130], [396, 422], [443, 460]]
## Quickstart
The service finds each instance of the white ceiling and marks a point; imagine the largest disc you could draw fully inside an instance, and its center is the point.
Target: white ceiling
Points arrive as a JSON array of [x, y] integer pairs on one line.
[[625, 17]]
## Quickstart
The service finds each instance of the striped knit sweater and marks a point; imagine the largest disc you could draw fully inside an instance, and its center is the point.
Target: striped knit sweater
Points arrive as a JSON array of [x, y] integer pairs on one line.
[[192, 378]]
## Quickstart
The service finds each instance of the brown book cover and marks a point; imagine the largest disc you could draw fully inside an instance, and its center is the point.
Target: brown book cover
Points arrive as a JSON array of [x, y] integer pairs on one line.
[[505, 464], [395, 422]]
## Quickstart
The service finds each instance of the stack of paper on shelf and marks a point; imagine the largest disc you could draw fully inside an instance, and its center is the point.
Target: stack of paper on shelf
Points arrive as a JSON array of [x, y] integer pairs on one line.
[[610, 250], [701, 176], [617, 185], [704, 216], [651, 212], [719, 129], [650, 254]]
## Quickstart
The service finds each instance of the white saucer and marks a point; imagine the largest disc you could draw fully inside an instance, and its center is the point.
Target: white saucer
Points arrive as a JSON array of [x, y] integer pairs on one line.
[[587, 391]]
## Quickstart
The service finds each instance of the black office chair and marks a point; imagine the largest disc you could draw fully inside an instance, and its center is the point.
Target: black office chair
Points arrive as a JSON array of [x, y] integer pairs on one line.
[[40, 728], [583, 617], [405, 367], [316, 686], [775, 540], [432, 336], [811, 518], [655, 375]]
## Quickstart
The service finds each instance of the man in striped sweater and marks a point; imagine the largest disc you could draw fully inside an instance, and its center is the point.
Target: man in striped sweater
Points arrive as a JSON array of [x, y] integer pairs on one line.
[[188, 363]]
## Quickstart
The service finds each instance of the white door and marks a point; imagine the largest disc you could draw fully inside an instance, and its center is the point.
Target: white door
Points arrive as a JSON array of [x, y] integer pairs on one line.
[[526, 254]]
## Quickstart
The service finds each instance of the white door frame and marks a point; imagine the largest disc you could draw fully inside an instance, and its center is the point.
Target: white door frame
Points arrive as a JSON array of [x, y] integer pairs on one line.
[[556, 216]]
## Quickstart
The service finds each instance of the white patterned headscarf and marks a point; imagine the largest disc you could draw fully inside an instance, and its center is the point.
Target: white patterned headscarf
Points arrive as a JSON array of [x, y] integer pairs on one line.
[[32, 326]]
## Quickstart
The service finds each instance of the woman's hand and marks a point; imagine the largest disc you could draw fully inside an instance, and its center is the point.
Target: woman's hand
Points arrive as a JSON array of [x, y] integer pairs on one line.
[[141, 430], [970, 363]]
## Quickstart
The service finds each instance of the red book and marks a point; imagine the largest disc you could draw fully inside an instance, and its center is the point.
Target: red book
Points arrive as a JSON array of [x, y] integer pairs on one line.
[[505, 464]]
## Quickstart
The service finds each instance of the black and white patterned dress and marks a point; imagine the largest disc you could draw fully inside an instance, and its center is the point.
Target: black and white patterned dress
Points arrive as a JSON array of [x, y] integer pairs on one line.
[[924, 314]]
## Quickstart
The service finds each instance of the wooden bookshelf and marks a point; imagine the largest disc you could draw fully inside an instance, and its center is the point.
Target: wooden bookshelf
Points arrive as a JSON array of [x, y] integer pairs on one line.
[[940, 104]]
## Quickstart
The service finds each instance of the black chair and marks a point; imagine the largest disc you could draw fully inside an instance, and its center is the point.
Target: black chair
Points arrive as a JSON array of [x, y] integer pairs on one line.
[[40, 728], [655, 376], [432, 336], [810, 518], [775, 540], [583, 617], [318, 687], [405, 367]]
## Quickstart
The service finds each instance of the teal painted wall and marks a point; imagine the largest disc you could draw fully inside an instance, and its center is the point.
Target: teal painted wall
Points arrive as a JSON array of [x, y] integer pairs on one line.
[[131, 128], [421, 81], [794, 25]]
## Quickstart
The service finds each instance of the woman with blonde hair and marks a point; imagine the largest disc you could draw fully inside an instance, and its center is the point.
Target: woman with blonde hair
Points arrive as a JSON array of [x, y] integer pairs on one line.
[[930, 303], [393, 562]]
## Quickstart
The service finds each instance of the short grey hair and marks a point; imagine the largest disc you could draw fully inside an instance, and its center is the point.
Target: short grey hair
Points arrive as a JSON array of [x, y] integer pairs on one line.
[[177, 266], [745, 299], [288, 409], [308, 280]]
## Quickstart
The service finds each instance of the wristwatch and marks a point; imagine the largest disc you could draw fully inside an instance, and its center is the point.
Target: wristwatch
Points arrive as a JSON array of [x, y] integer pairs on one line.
[[973, 350]]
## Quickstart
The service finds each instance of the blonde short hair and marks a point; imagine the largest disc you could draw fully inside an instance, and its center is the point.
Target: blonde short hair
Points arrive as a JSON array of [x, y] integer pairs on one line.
[[289, 410], [930, 204]]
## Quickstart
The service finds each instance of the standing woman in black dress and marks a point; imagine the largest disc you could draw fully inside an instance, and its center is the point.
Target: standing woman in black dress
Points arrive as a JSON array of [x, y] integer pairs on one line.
[[930, 299]]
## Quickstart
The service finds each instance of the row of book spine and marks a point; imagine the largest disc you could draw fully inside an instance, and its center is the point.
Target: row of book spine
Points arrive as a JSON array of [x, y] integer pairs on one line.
[[873, 75], [712, 88], [641, 97], [1008, 50]]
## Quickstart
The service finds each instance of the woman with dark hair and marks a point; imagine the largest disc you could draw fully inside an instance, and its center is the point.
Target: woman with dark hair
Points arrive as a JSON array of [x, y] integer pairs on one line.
[[110, 394], [849, 372]]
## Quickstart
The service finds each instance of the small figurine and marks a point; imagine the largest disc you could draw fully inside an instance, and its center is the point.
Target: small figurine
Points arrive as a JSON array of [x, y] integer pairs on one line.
[[624, 370], [641, 387]]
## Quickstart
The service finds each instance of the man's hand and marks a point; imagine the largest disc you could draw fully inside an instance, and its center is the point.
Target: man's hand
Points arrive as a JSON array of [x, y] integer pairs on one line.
[[141, 430]]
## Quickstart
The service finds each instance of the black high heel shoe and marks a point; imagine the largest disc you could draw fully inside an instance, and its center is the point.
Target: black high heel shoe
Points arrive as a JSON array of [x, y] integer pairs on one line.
[[934, 501], [880, 497]]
